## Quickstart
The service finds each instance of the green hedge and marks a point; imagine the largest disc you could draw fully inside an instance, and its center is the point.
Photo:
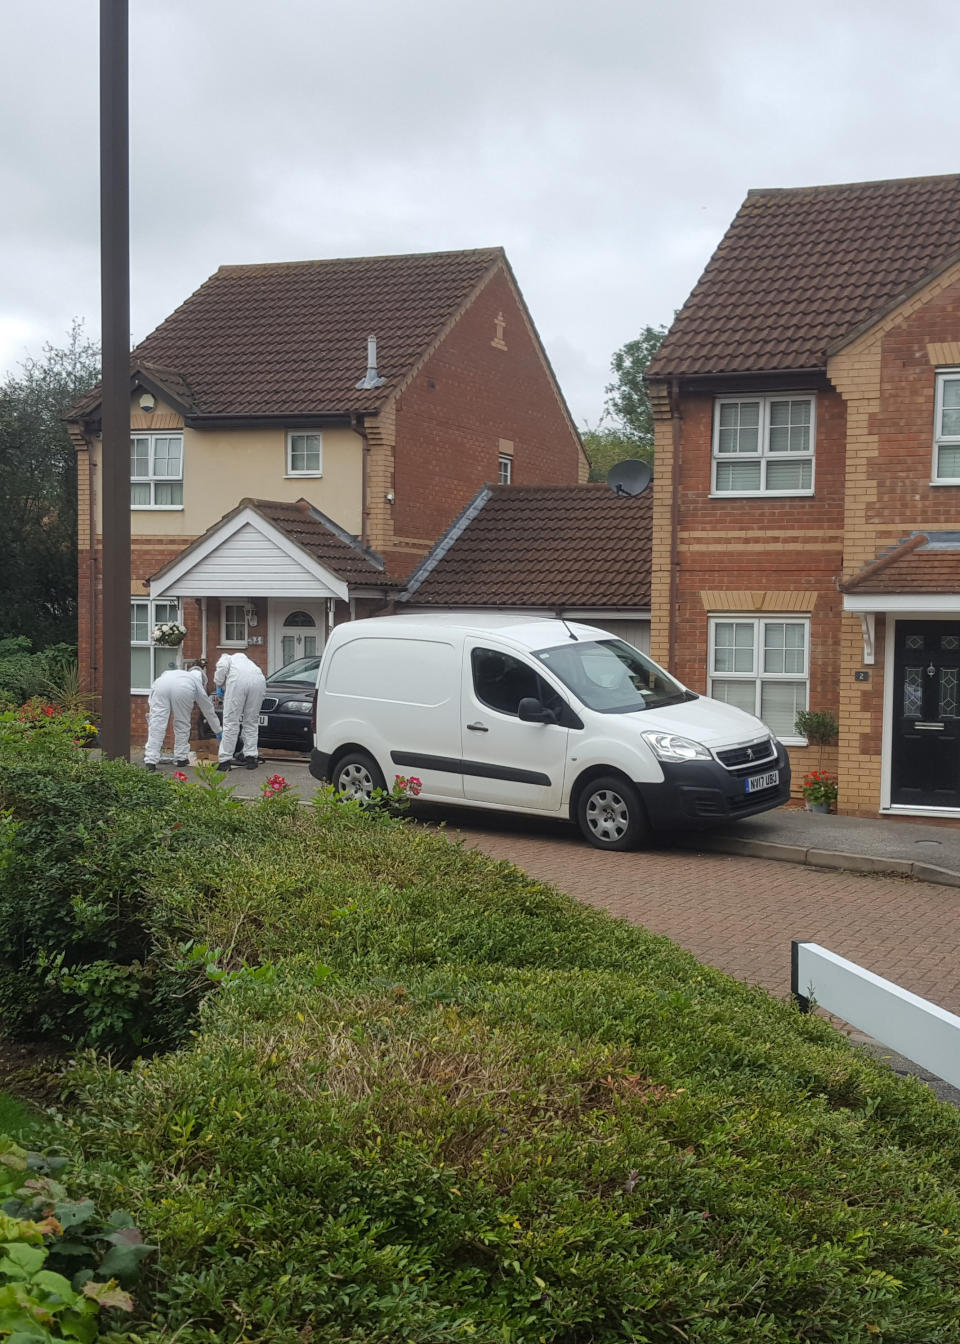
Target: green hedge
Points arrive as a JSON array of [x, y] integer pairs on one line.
[[25, 673], [433, 1100]]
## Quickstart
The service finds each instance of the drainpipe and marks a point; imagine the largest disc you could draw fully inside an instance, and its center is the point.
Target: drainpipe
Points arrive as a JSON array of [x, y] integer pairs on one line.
[[92, 469], [357, 425], [203, 630], [675, 419]]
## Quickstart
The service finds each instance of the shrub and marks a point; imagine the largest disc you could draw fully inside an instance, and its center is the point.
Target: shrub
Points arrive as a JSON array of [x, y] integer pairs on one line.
[[24, 674]]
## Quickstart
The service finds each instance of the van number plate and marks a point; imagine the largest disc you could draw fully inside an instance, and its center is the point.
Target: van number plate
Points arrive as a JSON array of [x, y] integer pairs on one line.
[[757, 782], [263, 724]]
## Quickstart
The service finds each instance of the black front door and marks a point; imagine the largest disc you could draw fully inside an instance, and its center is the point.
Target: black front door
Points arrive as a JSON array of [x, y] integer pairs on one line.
[[926, 714]]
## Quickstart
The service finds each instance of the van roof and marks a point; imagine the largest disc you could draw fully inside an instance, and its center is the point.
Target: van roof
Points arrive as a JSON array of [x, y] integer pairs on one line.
[[529, 632]]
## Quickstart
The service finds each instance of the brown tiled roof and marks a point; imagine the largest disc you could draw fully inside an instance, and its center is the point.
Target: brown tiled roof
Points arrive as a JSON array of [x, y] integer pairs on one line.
[[541, 546], [319, 536], [290, 338], [924, 562], [324, 540], [802, 268]]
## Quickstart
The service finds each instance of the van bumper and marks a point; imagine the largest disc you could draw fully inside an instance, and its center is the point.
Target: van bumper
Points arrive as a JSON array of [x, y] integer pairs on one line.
[[320, 764], [699, 794]]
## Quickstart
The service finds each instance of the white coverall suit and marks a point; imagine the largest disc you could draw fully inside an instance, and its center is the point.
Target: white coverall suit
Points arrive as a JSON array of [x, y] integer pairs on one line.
[[175, 692], [244, 688]]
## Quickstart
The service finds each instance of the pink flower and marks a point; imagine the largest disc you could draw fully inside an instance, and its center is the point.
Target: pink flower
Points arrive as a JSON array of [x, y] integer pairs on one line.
[[275, 786], [179, 776]]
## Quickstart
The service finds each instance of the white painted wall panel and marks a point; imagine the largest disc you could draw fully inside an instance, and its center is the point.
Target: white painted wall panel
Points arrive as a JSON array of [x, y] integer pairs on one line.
[[248, 564]]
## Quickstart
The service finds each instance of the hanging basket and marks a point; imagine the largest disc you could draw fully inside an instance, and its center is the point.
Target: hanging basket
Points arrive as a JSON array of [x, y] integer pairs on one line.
[[169, 634]]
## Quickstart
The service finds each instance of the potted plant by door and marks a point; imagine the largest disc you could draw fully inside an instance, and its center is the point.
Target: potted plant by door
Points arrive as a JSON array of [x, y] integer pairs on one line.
[[819, 790]]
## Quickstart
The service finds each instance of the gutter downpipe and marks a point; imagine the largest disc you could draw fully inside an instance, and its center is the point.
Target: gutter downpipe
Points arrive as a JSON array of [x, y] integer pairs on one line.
[[357, 425], [674, 522], [92, 470]]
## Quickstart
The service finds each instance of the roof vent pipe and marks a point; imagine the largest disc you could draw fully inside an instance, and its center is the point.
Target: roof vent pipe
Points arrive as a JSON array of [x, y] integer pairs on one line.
[[371, 378]]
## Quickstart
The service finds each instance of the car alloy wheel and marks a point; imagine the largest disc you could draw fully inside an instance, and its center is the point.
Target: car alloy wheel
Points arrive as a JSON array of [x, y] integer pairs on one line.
[[611, 815], [357, 776]]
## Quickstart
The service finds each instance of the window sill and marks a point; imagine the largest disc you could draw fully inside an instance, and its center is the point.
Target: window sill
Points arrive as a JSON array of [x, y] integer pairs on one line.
[[301, 475], [763, 494], [233, 647], [156, 508], [953, 482]]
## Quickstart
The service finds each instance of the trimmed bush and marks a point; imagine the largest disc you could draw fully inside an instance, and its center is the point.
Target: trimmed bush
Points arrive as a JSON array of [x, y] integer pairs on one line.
[[431, 1099]]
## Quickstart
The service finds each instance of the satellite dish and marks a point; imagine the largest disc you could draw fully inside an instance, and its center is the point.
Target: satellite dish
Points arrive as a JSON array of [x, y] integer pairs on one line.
[[630, 478]]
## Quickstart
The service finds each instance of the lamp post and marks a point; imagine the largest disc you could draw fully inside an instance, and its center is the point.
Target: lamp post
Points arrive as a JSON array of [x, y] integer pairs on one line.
[[115, 402]]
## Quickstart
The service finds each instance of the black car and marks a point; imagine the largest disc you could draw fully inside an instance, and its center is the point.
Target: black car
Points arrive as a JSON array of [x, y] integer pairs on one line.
[[287, 709]]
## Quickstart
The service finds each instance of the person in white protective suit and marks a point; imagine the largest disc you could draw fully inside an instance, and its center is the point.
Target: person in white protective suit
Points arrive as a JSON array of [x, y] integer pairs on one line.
[[243, 686], [175, 692]]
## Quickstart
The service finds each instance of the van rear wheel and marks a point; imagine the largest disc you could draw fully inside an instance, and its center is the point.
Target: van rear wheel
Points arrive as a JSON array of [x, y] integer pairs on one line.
[[357, 775], [611, 815]]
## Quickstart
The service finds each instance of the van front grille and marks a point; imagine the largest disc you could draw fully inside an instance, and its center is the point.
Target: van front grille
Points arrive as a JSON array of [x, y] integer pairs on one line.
[[750, 754]]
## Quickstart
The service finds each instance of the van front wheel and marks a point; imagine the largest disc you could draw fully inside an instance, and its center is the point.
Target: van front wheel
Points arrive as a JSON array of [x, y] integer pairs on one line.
[[357, 775], [611, 815]]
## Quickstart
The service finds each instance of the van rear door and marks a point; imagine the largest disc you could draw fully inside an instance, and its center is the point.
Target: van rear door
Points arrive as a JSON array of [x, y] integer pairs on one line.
[[506, 760]]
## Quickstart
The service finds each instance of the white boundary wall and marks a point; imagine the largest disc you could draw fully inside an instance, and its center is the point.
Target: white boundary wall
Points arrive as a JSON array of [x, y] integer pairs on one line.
[[924, 1033]]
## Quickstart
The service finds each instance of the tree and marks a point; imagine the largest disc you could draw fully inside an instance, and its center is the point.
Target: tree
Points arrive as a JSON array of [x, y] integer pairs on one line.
[[627, 399], [606, 447], [38, 492]]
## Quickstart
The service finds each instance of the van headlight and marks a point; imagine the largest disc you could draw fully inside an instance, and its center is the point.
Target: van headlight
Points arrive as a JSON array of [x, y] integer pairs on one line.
[[669, 747]]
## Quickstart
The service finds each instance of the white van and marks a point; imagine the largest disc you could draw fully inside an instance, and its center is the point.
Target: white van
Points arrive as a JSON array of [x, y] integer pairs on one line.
[[547, 717]]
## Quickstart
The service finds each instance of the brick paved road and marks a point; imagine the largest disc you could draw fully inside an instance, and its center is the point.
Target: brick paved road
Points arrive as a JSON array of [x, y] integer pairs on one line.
[[740, 914]]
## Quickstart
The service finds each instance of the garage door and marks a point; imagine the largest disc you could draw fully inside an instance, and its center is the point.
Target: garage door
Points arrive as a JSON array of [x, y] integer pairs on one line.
[[636, 633]]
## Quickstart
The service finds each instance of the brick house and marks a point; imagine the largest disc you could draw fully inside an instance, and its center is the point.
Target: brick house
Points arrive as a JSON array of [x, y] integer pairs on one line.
[[353, 406], [807, 493], [577, 551]]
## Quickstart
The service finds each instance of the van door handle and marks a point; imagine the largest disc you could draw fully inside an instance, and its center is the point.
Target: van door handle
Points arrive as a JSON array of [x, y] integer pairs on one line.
[[478, 728]]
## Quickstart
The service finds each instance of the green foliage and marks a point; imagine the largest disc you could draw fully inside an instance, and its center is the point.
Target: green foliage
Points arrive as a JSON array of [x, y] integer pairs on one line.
[[627, 398], [607, 446], [431, 1099], [818, 726], [51, 1250], [24, 674], [38, 493]]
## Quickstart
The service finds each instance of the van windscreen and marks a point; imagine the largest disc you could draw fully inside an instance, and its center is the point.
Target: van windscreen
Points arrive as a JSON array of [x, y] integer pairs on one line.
[[612, 677]]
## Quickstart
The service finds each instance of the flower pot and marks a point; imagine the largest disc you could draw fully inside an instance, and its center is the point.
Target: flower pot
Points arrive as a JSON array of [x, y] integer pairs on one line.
[[817, 807]]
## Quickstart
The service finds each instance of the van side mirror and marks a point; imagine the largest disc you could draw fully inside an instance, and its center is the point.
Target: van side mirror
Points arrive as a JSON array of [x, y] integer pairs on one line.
[[530, 710]]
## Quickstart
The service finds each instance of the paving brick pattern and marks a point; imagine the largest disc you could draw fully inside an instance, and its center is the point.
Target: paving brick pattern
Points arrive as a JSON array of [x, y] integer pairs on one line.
[[740, 914]]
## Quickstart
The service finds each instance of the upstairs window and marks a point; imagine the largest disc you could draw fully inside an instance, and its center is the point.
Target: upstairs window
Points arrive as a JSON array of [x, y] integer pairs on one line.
[[946, 443], [304, 454], [504, 469], [763, 445], [156, 471]]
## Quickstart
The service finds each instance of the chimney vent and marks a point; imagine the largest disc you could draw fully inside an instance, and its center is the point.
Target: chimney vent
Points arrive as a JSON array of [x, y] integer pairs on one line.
[[371, 378]]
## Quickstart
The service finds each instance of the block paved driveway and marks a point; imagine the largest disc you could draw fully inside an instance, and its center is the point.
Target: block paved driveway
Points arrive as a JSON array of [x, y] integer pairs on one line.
[[740, 914]]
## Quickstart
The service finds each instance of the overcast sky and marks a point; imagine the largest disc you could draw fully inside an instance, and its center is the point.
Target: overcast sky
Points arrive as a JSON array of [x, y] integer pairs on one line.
[[606, 145]]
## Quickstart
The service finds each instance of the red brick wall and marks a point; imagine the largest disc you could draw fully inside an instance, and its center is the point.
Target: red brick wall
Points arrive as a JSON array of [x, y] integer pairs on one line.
[[755, 546], [469, 395]]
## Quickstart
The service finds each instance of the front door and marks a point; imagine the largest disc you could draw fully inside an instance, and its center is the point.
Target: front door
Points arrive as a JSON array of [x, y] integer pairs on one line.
[[926, 714], [296, 631]]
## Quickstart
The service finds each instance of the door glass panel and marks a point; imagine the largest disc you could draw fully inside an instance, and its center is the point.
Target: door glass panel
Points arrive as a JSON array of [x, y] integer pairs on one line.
[[288, 649], [948, 692], [309, 646], [300, 618], [914, 642], [913, 692], [950, 641]]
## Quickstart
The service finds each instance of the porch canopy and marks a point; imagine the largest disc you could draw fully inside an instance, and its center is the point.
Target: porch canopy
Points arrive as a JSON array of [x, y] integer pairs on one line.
[[919, 576], [271, 549]]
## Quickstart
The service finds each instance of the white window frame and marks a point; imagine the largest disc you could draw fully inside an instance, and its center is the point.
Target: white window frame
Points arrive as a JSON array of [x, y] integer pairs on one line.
[[147, 643], [757, 675], [941, 440], [763, 455], [504, 461], [151, 478], [232, 643], [302, 434]]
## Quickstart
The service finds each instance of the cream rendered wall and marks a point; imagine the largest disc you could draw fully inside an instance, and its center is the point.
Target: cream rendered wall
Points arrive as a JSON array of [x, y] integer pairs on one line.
[[221, 467]]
